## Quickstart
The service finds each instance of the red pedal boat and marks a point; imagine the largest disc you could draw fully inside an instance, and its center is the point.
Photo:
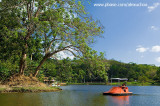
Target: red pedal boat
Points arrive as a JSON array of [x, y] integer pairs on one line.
[[119, 90]]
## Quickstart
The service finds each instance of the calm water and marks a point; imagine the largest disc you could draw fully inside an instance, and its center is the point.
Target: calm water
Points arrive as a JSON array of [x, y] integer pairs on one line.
[[84, 95]]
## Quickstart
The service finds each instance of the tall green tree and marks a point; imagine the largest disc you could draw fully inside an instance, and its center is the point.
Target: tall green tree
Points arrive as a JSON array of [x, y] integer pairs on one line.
[[95, 65], [55, 25]]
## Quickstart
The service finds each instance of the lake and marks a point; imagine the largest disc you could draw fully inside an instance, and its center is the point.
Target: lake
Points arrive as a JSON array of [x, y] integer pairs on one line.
[[84, 95]]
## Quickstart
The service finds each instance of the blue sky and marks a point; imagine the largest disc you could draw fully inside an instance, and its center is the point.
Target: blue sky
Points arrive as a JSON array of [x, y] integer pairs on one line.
[[132, 34]]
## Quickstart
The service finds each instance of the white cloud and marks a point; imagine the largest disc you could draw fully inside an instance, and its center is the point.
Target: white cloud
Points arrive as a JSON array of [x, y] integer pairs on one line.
[[158, 59], [64, 55], [151, 8], [154, 28], [155, 48], [141, 49]]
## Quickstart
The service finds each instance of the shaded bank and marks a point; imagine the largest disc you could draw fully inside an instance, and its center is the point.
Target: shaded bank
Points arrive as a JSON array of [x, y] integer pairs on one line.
[[21, 83]]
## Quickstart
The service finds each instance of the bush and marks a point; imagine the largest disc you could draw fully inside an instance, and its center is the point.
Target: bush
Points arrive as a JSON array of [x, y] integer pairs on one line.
[[41, 77], [131, 79], [4, 72]]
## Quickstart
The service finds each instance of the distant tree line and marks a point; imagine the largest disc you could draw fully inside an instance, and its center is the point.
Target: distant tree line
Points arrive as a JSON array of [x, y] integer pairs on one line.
[[134, 72]]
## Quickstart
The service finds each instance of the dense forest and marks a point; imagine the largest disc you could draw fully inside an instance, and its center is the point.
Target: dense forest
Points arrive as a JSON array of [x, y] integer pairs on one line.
[[134, 72], [65, 70], [81, 71]]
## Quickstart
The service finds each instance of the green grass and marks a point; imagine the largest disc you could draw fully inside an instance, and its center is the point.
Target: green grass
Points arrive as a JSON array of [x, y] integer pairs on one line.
[[29, 89], [133, 83], [116, 83], [2, 89], [36, 89]]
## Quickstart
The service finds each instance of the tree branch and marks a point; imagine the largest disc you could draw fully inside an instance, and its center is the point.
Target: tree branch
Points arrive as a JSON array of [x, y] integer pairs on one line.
[[72, 52], [51, 44], [60, 50], [39, 8], [12, 7]]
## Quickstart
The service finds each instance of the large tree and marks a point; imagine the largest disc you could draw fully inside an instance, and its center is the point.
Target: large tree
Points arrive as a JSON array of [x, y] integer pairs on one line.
[[55, 25]]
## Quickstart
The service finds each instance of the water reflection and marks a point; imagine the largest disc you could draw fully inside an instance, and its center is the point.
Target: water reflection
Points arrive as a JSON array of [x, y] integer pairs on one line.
[[20, 99], [120, 100], [73, 98]]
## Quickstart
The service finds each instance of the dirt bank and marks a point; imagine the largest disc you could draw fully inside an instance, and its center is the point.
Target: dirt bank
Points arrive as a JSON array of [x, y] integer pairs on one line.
[[23, 83]]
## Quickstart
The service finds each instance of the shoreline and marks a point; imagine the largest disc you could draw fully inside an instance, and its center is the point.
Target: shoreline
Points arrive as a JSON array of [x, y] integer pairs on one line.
[[128, 83], [29, 89]]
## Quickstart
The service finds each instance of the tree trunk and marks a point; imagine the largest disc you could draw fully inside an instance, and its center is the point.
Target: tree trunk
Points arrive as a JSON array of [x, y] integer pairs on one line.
[[47, 55], [31, 57], [30, 31], [40, 65], [22, 63], [24, 56]]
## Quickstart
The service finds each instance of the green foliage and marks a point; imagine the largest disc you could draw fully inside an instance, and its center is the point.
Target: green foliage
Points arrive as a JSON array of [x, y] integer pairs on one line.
[[142, 79], [49, 68], [157, 76], [7, 69], [41, 77], [131, 79], [4, 72], [140, 72], [35, 27]]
